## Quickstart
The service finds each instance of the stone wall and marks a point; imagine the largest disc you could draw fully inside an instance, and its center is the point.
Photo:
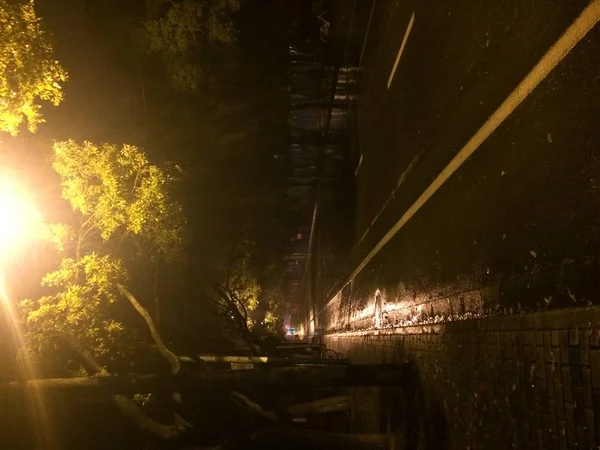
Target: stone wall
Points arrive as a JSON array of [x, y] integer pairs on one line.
[[520, 381]]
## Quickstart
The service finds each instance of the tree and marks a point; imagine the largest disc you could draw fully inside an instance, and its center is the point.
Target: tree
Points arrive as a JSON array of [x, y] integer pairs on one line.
[[127, 216], [270, 321], [236, 295], [28, 70], [125, 206], [240, 278], [182, 32], [273, 322]]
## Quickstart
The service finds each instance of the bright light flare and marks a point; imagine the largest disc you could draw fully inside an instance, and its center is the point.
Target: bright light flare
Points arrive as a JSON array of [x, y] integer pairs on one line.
[[20, 220]]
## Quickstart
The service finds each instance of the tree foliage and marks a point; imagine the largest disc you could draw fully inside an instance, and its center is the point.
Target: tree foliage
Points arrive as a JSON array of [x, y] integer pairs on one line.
[[122, 202], [82, 305], [273, 322], [240, 280], [182, 32], [272, 311], [119, 194], [28, 70]]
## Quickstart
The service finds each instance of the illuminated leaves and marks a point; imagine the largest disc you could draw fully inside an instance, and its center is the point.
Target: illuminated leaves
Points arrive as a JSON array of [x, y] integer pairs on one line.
[[118, 192], [58, 235], [83, 293], [272, 321], [241, 280], [28, 70], [121, 199]]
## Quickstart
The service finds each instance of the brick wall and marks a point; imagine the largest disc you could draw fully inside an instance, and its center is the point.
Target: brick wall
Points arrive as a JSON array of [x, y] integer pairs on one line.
[[523, 381]]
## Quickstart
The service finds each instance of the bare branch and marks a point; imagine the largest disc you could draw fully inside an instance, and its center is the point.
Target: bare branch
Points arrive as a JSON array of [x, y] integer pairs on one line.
[[247, 404]]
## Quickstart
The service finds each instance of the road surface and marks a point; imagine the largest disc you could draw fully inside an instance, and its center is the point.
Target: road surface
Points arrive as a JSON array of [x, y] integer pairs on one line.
[[514, 87]]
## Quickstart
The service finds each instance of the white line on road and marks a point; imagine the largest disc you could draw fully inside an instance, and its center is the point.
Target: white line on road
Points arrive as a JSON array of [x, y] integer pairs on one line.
[[410, 25], [392, 195], [362, 52], [575, 33], [358, 165]]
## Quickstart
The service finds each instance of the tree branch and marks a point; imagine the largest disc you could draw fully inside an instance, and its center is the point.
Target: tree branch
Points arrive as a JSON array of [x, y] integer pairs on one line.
[[86, 358], [244, 402], [155, 291], [82, 234], [162, 348], [86, 221], [121, 239], [324, 438], [145, 423], [283, 378], [101, 384], [125, 404], [324, 405], [232, 308]]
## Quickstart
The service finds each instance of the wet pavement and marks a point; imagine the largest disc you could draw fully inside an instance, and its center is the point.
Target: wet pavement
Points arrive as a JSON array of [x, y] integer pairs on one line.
[[490, 290], [521, 214]]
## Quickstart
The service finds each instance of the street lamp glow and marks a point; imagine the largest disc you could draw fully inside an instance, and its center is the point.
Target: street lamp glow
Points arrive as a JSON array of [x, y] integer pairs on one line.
[[19, 219]]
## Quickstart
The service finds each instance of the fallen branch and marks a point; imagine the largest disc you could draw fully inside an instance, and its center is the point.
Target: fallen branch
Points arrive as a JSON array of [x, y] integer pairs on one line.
[[285, 378], [323, 406], [326, 405], [124, 403], [252, 407], [146, 424], [324, 437], [162, 348], [97, 385]]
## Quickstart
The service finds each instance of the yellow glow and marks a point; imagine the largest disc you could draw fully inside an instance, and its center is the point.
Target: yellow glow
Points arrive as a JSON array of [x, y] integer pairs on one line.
[[19, 219], [20, 223]]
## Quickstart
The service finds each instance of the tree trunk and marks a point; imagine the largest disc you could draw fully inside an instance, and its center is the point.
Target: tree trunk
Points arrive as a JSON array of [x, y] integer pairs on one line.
[[98, 385], [323, 406], [326, 405], [283, 378], [156, 296]]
